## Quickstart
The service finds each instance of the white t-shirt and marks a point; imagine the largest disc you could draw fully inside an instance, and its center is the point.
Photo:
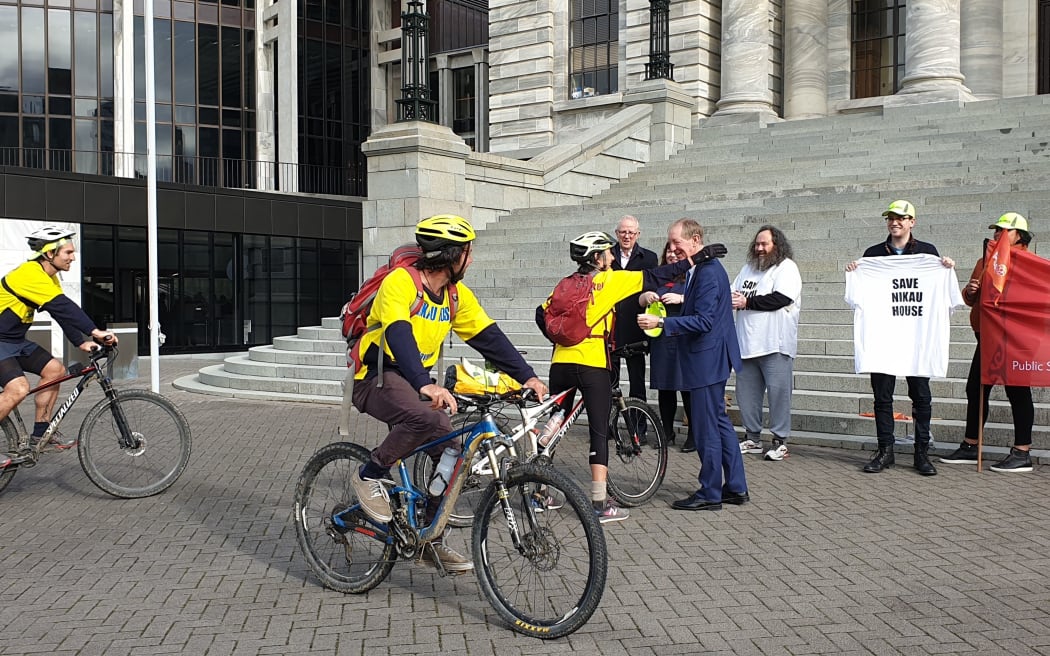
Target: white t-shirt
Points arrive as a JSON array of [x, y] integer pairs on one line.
[[902, 306], [761, 333]]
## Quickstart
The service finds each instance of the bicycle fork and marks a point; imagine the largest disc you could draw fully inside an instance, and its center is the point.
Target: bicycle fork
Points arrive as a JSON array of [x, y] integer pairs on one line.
[[503, 494], [127, 440]]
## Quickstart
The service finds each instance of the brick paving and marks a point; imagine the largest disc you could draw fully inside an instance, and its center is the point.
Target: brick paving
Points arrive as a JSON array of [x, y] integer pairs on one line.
[[825, 560]]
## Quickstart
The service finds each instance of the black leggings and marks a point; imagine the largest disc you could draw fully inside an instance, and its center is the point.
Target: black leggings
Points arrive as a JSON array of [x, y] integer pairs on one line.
[[595, 385], [1020, 403], [668, 400]]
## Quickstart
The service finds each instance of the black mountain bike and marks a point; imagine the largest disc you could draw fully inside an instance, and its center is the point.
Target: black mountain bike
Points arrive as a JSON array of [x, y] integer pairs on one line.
[[132, 444]]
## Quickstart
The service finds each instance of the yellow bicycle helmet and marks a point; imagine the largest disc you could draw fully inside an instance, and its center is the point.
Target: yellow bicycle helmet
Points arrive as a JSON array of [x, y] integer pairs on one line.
[[436, 232]]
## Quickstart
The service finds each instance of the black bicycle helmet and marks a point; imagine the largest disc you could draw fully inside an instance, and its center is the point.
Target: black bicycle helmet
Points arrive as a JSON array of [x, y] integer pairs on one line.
[[583, 248]]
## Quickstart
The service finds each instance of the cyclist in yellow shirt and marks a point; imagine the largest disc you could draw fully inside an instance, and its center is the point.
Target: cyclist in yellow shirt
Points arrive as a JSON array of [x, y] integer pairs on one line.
[[410, 345], [33, 286], [586, 366]]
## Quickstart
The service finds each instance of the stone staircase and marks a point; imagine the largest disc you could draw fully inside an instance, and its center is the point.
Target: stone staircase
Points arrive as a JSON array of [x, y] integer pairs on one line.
[[825, 183]]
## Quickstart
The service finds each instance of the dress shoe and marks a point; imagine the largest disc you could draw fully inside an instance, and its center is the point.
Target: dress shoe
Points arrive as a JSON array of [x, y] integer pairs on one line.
[[688, 446], [735, 499], [696, 503]]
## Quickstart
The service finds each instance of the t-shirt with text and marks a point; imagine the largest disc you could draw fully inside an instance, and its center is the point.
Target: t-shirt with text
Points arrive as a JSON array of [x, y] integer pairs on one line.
[[902, 314]]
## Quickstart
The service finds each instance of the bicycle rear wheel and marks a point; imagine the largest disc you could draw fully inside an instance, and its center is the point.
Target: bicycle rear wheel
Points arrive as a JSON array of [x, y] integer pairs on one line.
[[352, 558], [637, 453], [11, 445], [551, 585], [156, 460]]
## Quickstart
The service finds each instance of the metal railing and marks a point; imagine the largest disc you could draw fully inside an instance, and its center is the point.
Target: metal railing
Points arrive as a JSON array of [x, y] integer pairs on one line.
[[214, 172]]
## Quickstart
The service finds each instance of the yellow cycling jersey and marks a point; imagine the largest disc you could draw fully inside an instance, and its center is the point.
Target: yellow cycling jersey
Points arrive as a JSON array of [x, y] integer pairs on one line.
[[610, 287], [32, 283], [430, 326]]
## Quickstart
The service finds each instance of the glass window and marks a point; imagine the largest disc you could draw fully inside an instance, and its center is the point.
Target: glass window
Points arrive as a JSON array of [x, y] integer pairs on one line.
[[231, 67], [593, 48], [9, 140], [85, 32], [86, 107], [105, 68], [877, 47], [162, 59], [9, 56], [9, 103], [59, 59], [59, 105], [185, 42], [140, 58], [86, 146], [208, 64], [34, 74]]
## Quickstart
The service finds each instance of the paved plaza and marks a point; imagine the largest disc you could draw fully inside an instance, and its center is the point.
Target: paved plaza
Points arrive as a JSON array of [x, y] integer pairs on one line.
[[825, 560]]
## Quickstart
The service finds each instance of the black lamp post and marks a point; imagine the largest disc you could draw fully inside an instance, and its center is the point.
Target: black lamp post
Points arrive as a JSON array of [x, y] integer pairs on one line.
[[415, 103], [659, 66]]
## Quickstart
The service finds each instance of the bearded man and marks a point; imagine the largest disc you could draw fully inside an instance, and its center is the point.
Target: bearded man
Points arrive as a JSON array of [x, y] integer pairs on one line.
[[767, 295]]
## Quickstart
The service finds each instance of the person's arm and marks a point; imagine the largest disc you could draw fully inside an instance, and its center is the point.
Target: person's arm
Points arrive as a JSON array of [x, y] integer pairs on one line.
[[653, 279], [74, 321], [767, 302], [494, 345], [971, 293], [405, 351], [707, 297]]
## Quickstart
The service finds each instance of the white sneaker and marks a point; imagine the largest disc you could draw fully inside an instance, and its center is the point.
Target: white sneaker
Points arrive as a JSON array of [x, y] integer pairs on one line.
[[750, 446], [778, 452], [373, 496]]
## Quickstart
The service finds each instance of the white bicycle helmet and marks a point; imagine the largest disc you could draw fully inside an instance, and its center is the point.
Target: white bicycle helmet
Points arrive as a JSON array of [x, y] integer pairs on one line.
[[583, 248], [47, 239]]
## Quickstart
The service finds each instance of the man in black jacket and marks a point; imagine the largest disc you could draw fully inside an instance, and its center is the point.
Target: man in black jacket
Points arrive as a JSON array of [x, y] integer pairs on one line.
[[629, 256]]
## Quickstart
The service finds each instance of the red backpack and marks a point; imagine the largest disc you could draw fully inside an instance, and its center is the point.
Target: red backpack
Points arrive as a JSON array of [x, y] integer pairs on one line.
[[566, 314], [354, 314]]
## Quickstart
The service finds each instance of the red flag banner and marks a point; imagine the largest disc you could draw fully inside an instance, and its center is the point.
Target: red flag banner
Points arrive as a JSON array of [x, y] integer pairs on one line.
[[1015, 319], [998, 265]]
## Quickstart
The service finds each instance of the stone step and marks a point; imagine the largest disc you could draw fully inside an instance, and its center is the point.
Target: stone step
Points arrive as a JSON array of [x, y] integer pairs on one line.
[[245, 366], [217, 376], [268, 354]]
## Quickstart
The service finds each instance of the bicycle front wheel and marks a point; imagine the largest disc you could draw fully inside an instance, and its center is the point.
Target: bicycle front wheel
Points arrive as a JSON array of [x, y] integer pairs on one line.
[[550, 583], [637, 453], [356, 554], [155, 460]]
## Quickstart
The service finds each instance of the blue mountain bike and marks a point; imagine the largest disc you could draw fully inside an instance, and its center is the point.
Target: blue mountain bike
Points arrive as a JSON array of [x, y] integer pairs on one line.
[[542, 565]]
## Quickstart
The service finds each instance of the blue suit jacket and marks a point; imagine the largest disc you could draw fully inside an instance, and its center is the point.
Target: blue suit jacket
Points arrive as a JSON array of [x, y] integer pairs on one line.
[[707, 346]]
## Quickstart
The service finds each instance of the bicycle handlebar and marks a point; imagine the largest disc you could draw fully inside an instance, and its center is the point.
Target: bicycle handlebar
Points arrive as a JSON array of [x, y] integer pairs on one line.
[[635, 348]]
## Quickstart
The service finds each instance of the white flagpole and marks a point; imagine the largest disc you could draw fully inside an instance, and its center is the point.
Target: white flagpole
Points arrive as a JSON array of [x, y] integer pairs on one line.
[[151, 204]]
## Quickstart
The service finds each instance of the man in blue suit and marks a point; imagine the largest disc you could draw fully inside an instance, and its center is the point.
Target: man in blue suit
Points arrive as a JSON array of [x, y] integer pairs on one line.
[[708, 348]]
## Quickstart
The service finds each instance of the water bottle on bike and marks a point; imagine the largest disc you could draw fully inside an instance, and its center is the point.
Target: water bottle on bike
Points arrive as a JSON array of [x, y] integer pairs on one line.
[[551, 427], [443, 472]]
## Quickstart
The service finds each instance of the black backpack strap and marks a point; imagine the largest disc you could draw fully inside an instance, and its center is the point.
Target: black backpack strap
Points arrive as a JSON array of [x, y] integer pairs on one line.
[[25, 301]]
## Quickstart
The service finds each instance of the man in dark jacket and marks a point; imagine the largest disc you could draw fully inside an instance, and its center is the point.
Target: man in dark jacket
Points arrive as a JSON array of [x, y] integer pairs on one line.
[[629, 256]]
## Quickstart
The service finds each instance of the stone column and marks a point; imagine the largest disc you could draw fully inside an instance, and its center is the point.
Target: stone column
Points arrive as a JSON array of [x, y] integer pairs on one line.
[[805, 59], [672, 115], [745, 60], [415, 169], [932, 53], [981, 61]]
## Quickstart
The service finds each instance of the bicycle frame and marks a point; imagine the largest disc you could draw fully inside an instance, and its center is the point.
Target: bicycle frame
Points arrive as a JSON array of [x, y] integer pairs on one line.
[[86, 375], [483, 435]]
